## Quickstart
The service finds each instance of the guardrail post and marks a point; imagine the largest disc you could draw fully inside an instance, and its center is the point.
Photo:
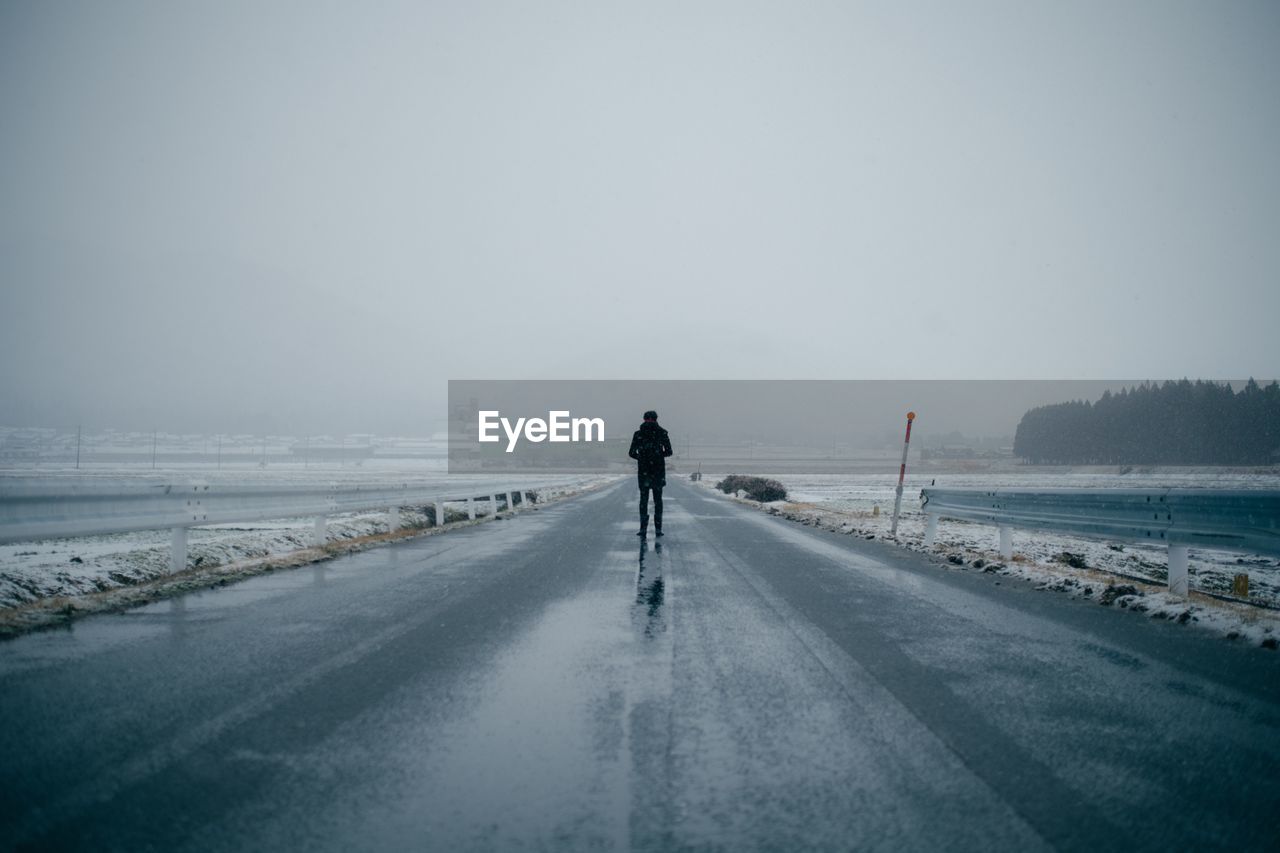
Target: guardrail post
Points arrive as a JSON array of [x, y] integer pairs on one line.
[[322, 530], [178, 550], [393, 518], [471, 508], [511, 500], [439, 513], [493, 504], [930, 529], [1006, 543], [1178, 570]]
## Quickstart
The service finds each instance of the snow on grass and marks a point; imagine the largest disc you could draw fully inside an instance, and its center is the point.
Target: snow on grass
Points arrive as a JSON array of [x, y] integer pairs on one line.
[[32, 572], [1122, 575]]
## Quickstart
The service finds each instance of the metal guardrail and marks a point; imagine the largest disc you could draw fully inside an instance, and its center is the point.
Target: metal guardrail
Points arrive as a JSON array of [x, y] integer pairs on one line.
[[52, 509], [1233, 520]]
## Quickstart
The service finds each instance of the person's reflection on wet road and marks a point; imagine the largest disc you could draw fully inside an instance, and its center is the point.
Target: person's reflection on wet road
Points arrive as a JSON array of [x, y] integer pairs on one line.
[[650, 590]]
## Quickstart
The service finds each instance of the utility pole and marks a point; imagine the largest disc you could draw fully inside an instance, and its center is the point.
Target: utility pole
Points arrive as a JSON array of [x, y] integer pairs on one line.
[[77, 447], [153, 449], [219, 451]]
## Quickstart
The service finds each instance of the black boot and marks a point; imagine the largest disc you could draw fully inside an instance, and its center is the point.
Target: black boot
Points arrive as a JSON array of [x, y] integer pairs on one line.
[[644, 526], [657, 528]]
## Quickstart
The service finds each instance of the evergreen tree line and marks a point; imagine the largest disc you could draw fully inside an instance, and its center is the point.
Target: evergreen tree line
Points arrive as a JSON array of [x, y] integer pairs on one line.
[[1177, 423]]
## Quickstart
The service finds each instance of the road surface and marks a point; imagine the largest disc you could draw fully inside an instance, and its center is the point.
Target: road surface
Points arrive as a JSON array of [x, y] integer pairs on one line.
[[552, 682]]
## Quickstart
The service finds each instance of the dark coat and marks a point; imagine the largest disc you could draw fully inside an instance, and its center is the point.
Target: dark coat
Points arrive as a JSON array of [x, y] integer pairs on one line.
[[650, 447]]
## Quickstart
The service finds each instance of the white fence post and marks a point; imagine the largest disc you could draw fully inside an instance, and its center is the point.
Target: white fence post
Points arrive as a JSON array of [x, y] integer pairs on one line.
[[511, 500], [1178, 570], [471, 508], [493, 504], [178, 550], [322, 530], [1006, 543], [930, 529], [439, 513]]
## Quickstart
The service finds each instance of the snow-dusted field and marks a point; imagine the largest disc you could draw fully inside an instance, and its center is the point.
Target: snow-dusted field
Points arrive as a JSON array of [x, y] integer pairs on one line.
[[862, 504], [361, 471], [31, 571], [863, 491]]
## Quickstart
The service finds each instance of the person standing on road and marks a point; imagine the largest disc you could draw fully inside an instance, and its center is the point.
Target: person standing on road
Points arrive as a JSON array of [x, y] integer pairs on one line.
[[650, 447]]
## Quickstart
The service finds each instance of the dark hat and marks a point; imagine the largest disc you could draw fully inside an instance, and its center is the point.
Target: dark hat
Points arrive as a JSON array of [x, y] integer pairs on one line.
[[651, 415]]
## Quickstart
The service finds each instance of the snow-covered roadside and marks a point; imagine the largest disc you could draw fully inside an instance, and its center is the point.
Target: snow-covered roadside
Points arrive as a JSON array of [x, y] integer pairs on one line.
[[1128, 577], [47, 582]]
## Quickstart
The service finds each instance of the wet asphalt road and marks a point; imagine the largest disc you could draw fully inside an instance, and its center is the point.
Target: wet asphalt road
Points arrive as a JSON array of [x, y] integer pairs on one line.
[[550, 682]]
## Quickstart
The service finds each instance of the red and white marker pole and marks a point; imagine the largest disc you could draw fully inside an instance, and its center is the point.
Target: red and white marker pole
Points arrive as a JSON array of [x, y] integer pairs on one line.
[[902, 475]]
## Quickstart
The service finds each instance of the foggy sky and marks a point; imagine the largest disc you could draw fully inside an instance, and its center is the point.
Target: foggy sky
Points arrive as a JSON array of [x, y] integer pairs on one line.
[[304, 216]]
